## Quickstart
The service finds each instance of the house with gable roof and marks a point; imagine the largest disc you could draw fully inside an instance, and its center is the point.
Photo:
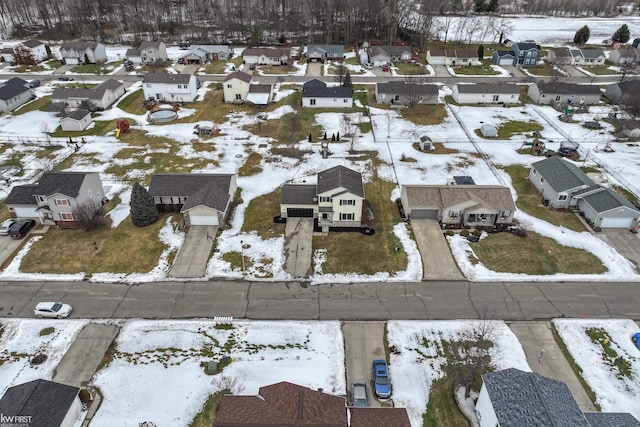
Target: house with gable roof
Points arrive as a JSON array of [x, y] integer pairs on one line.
[[203, 53], [622, 92], [101, 96], [37, 49], [324, 52], [235, 86], [14, 93], [317, 94], [149, 52], [42, 403], [563, 185], [503, 57], [80, 52], [336, 200], [486, 93], [76, 120], [625, 55], [7, 55], [266, 56], [512, 397], [381, 55], [405, 93], [55, 197], [564, 93], [170, 87], [203, 199], [527, 54]]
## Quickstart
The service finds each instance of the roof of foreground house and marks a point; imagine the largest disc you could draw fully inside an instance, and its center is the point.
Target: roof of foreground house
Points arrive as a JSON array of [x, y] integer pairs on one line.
[[340, 176], [317, 89], [200, 189], [561, 174], [406, 88], [12, 87], [379, 417]]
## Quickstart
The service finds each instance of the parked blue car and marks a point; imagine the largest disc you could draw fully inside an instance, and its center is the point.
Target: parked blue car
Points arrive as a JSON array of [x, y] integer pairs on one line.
[[380, 376], [636, 339]]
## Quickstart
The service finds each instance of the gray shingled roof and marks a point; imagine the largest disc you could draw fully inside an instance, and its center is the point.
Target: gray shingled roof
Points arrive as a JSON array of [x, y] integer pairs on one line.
[[270, 52], [298, 195], [22, 195], [259, 88], [78, 114], [211, 190], [529, 399], [390, 50], [340, 176], [312, 90], [240, 75], [592, 53], [97, 92], [132, 53], [32, 43], [81, 45], [611, 419], [167, 78], [45, 401], [504, 53], [330, 49], [568, 88], [629, 87], [466, 53], [608, 199], [488, 88], [12, 87], [67, 183], [405, 88], [561, 174], [526, 46]]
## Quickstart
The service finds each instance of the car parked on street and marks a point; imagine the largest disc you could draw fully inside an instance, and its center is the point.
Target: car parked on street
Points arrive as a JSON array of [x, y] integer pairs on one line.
[[359, 394], [34, 83], [65, 79], [6, 225], [56, 310], [380, 377], [21, 228]]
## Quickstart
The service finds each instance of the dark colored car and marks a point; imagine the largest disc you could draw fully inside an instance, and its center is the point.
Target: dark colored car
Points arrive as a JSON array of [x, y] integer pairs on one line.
[[34, 83], [21, 228], [65, 79], [380, 376]]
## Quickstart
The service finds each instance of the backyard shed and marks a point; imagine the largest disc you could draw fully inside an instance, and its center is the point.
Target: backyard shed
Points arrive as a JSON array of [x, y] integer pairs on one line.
[[489, 131]]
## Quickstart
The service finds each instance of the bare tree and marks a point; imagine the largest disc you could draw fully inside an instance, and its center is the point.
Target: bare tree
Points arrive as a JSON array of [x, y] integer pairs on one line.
[[89, 214]]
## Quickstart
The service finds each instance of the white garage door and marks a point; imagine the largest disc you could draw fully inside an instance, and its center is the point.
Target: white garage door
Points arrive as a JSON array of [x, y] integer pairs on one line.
[[616, 222], [203, 219], [379, 63], [26, 213], [505, 61]]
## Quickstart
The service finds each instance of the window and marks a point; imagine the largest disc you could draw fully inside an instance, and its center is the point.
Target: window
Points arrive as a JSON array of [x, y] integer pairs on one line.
[[229, 86], [533, 171], [61, 202], [505, 214], [312, 102], [345, 100], [347, 217], [454, 214], [544, 95], [558, 98], [347, 202], [541, 180], [325, 199], [562, 197], [89, 193], [66, 216], [42, 199], [238, 97], [496, 98]]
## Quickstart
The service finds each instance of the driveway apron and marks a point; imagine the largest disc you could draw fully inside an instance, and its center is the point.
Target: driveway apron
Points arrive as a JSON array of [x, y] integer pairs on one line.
[[191, 261], [623, 241], [537, 336], [437, 260], [298, 236]]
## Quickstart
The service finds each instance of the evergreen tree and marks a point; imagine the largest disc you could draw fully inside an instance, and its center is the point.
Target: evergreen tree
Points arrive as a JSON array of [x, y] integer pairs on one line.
[[582, 35], [347, 80], [622, 34], [310, 138], [480, 52], [492, 6], [479, 6], [338, 137], [143, 208]]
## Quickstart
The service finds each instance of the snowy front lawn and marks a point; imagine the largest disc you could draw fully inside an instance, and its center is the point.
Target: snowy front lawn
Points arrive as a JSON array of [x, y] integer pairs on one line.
[[609, 360], [157, 372]]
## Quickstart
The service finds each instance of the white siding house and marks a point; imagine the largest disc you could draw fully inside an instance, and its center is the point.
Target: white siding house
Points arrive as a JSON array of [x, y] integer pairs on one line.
[[37, 49], [235, 87], [316, 94], [170, 87], [486, 93], [73, 53]]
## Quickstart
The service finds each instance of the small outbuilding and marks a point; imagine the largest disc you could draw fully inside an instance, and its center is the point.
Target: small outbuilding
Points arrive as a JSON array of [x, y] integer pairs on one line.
[[77, 120], [489, 131], [425, 143]]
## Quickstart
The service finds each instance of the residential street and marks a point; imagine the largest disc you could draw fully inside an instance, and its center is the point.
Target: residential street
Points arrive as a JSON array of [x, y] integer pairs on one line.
[[356, 301]]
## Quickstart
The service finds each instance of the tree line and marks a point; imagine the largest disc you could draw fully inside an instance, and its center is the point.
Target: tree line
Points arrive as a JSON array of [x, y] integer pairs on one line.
[[259, 21]]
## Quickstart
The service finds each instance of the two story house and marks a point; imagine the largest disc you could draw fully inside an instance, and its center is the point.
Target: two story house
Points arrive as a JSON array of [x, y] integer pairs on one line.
[[13, 93], [336, 200], [73, 53], [235, 87], [37, 49], [148, 53], [527, 54], [54, 198], [170, 87]]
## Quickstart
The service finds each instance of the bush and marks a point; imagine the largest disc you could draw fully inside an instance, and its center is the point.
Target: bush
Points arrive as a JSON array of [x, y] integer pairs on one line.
[[477, 233], [47, 331], [450, 233], [464, 233]]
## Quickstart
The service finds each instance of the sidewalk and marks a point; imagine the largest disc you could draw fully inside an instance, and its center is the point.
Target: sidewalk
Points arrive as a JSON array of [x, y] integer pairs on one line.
[[536, 336]]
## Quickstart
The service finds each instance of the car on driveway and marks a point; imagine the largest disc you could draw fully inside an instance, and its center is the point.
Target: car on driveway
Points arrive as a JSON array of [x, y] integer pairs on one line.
[[56, 310], [385, 67], [380, 377], [5, 226], [368, 65], [359, 393], [21, 228]]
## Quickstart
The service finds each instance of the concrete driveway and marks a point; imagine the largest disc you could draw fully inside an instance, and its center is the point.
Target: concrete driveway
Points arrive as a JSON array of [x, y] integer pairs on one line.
[[314, 69], [298, 237], [441, 70], [8, 246], [437, 260], [363, 342], [537, 336], [623, 241], [192, 258]]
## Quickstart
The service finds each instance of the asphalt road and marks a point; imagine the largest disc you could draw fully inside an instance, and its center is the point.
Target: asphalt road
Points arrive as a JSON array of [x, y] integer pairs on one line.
[[357, 301]]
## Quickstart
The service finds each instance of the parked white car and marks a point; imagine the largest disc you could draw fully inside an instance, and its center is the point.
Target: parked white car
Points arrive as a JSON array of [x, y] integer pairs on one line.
[[5, 226], [52, 309]]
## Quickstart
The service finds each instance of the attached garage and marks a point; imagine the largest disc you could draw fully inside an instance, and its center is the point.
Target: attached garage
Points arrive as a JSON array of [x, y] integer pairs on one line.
[[424, 214], [201, 215], [616, 223], [299, 212], [608, 209], [26, 211]]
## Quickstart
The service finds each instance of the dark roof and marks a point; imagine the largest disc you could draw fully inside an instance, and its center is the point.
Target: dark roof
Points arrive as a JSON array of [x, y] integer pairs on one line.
[[78, 45], [503, 53], [529, 399], [466, 53], [97, 92], [298, 195], [259, 88], [8, 50], [406, 88], [611, 419], [67, 183], [441, 52], [629, 86], [526, 46], [312, 89], [45, 401], [608, 199], [22, 195], [32, 43], [562, 53], [78, 114], [390, 50], [339, 176], [211, 190], [561, 174], [568, 88], [155, 45], [487, 88], [330, 49], [245, 77], [167, 78], [379, 417], [592, 53], [271, 52], [464, 180], [132, 53], [12, 87], [282, 404]]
